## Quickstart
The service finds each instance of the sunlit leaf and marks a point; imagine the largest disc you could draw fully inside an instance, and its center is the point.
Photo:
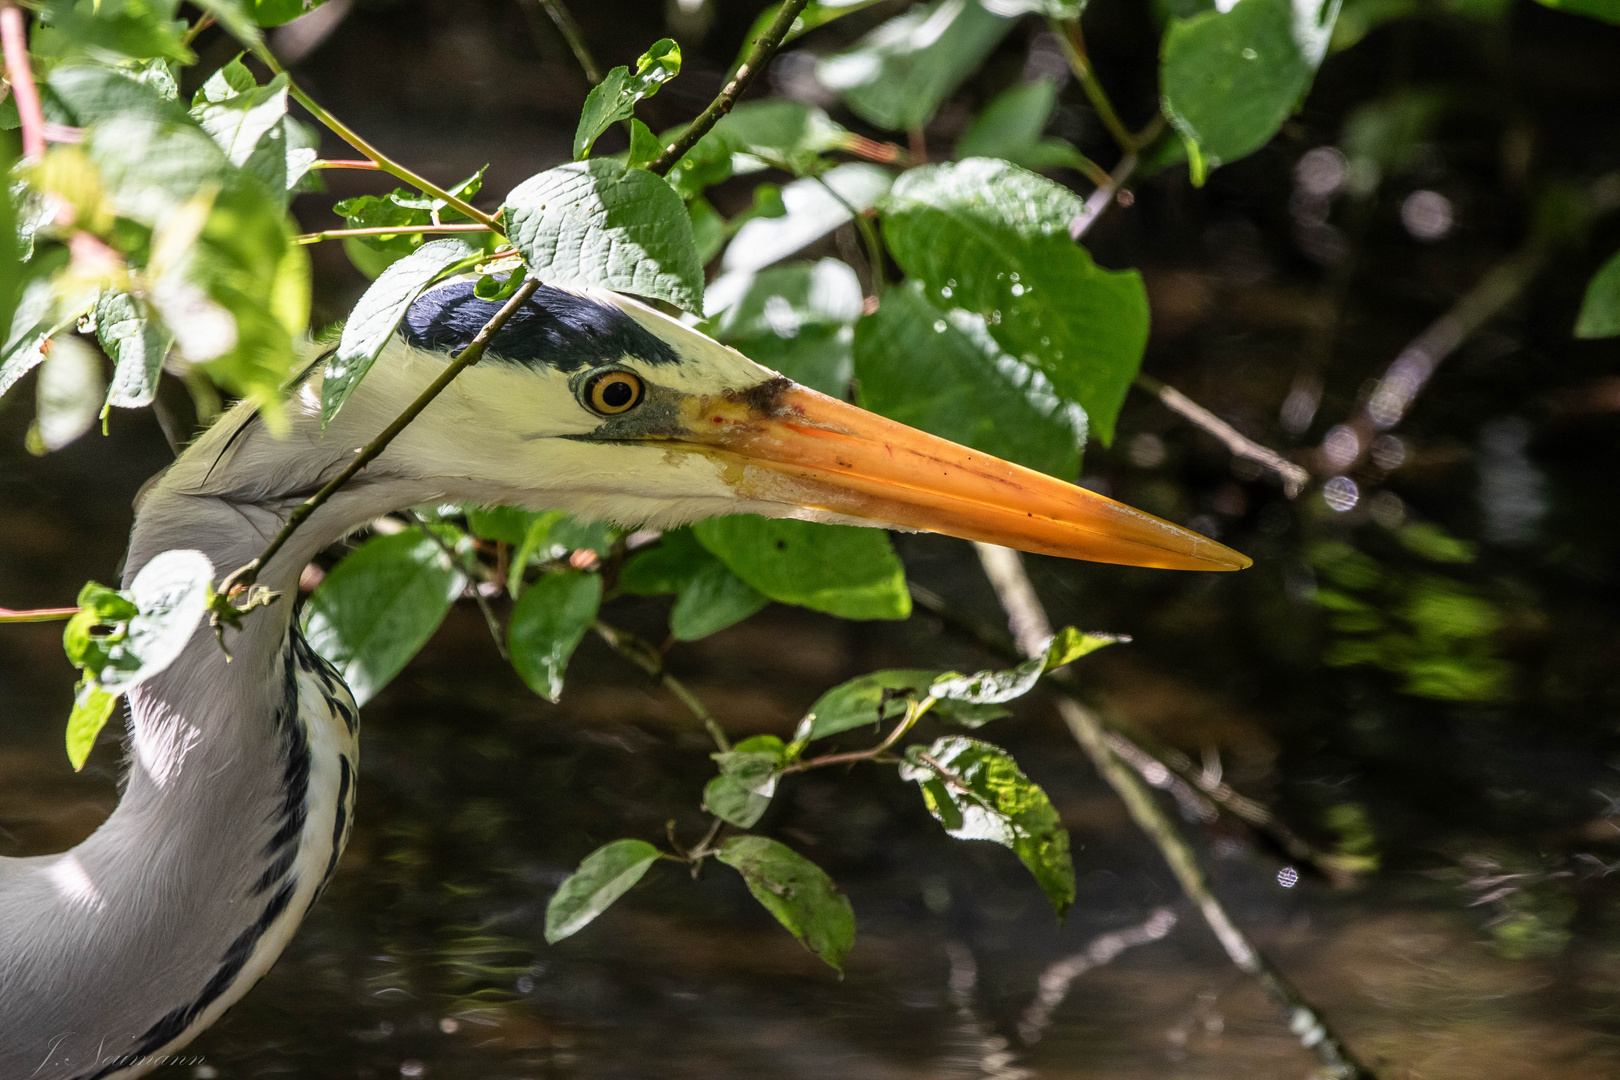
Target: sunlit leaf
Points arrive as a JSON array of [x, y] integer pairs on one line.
[[991, 238], [978, 792], [899, 74], [377, 315], [864, 701], [814, 207], [605, 875], [548, 622], [69, 392], [796, 319], [943, 372], [237, 112], [842, 570], [615, 97], [1230, 78], [92, 707], [797, 892], [135, 29], [999, 687], [237, 17], [601, 223], [377, 608]]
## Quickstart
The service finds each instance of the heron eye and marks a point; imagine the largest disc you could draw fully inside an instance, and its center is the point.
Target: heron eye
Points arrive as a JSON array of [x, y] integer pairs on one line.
[[613, 392]]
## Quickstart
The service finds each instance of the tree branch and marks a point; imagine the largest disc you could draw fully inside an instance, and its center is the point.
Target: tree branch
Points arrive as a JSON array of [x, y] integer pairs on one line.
[[249, 574], [14, 41], [1005, 570], [1294, 477], [759, 56]]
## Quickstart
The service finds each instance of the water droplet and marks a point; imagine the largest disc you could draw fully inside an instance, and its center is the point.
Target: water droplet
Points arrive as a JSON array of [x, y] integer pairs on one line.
[[1017, 290], [1250, 54], [939, 326], [1013, 276], [946, 292]]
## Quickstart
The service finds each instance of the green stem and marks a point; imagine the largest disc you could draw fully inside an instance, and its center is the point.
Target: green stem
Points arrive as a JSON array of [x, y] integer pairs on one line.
[[387, 230], [203, 22], [383, 161], [648, 659], [1074, 47], [249, 574], [32, 615], [343, 163], [759, 56]]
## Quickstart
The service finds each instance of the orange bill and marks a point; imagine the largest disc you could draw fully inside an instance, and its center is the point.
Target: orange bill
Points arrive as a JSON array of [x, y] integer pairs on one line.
[[790, 443]]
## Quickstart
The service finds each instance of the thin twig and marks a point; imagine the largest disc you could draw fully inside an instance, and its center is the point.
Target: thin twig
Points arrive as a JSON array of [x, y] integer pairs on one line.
[[388, 230], [1073, 41], [563, 20], [759, 56], [914, 712], [650, 660], [203, 22], [1294, 477], [33, 615], [344, 163], [1005, 570], [490, 620], [249, 574], [14, 40], [1392, 396], [383, 161]]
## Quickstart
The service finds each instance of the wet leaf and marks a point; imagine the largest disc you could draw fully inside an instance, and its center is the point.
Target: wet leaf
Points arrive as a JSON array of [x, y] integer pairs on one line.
[[605, 875], [375, 318], [377, 608], [840, 569], [993, 239], [615, 97], [943, 372], [797, 892], [1230, 78], [548, 622], [601, 223], [977, 792], [898, 75]]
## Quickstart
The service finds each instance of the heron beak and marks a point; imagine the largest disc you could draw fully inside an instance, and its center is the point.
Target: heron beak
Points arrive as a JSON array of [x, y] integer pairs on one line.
[[787, 443]]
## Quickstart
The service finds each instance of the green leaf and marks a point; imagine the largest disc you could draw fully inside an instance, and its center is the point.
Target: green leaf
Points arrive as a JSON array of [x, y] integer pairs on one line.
[[379, 606], [1229, 79], [237, 113], [1600, 310], [136, 29], [92, 706], [644, 145], [1010, 127], [713, 599], [796, 319], [943, 372], [377, 315], [606, 874], [842, 570], [1607, 10], [236, 16], [747, 781], [276, 12], [898, 75], [548, 622], [999, 687], [989, 237], [170, 594], [978, 792], [1052, 9], [601, 223], [814, 207], [813, 16], [137, 344], [709, 231], [867, 700], [508, 523], [797, 892], [615, 97], [69, 393]]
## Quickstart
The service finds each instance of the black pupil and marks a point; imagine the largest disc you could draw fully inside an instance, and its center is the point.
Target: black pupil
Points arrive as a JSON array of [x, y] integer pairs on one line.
[[618, 393]]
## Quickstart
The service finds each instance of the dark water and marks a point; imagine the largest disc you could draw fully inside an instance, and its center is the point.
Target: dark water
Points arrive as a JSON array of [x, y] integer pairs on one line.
[[1485, 943]]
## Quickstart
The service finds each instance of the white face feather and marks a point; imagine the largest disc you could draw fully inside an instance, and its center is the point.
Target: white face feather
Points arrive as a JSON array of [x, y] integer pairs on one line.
[[500, 433]]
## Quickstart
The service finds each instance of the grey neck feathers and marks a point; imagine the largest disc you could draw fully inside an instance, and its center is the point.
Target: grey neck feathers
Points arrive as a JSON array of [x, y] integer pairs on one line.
[[124, 946]]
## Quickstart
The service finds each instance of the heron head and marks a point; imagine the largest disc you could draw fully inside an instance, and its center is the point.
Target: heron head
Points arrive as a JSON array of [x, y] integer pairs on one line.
[[594, 403]]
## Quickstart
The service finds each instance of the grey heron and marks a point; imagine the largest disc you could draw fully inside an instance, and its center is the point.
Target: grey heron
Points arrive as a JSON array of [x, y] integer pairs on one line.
[[241, 775]]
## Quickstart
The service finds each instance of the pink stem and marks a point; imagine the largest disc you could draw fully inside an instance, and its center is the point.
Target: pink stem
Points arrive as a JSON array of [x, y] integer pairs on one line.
[[14, 38]]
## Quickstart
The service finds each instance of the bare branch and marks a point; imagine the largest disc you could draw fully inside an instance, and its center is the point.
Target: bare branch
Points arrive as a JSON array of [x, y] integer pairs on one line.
[[1294, 478]]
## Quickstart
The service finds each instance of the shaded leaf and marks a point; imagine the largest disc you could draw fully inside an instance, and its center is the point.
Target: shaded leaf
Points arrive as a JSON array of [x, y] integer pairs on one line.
[[605, 875], [377, 608], [1600, 309], [1607, 10], [991, 238], [840, 569], [796, 319], [548, 622], [748, 776], [615, 97], [276, 12], [601, 223], [797, 892], [1011, 125], [137, 344], [1229, 79], [898, 75], [867, 700], [377, 315], [978, 792], [943, 372], [713, 599]]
